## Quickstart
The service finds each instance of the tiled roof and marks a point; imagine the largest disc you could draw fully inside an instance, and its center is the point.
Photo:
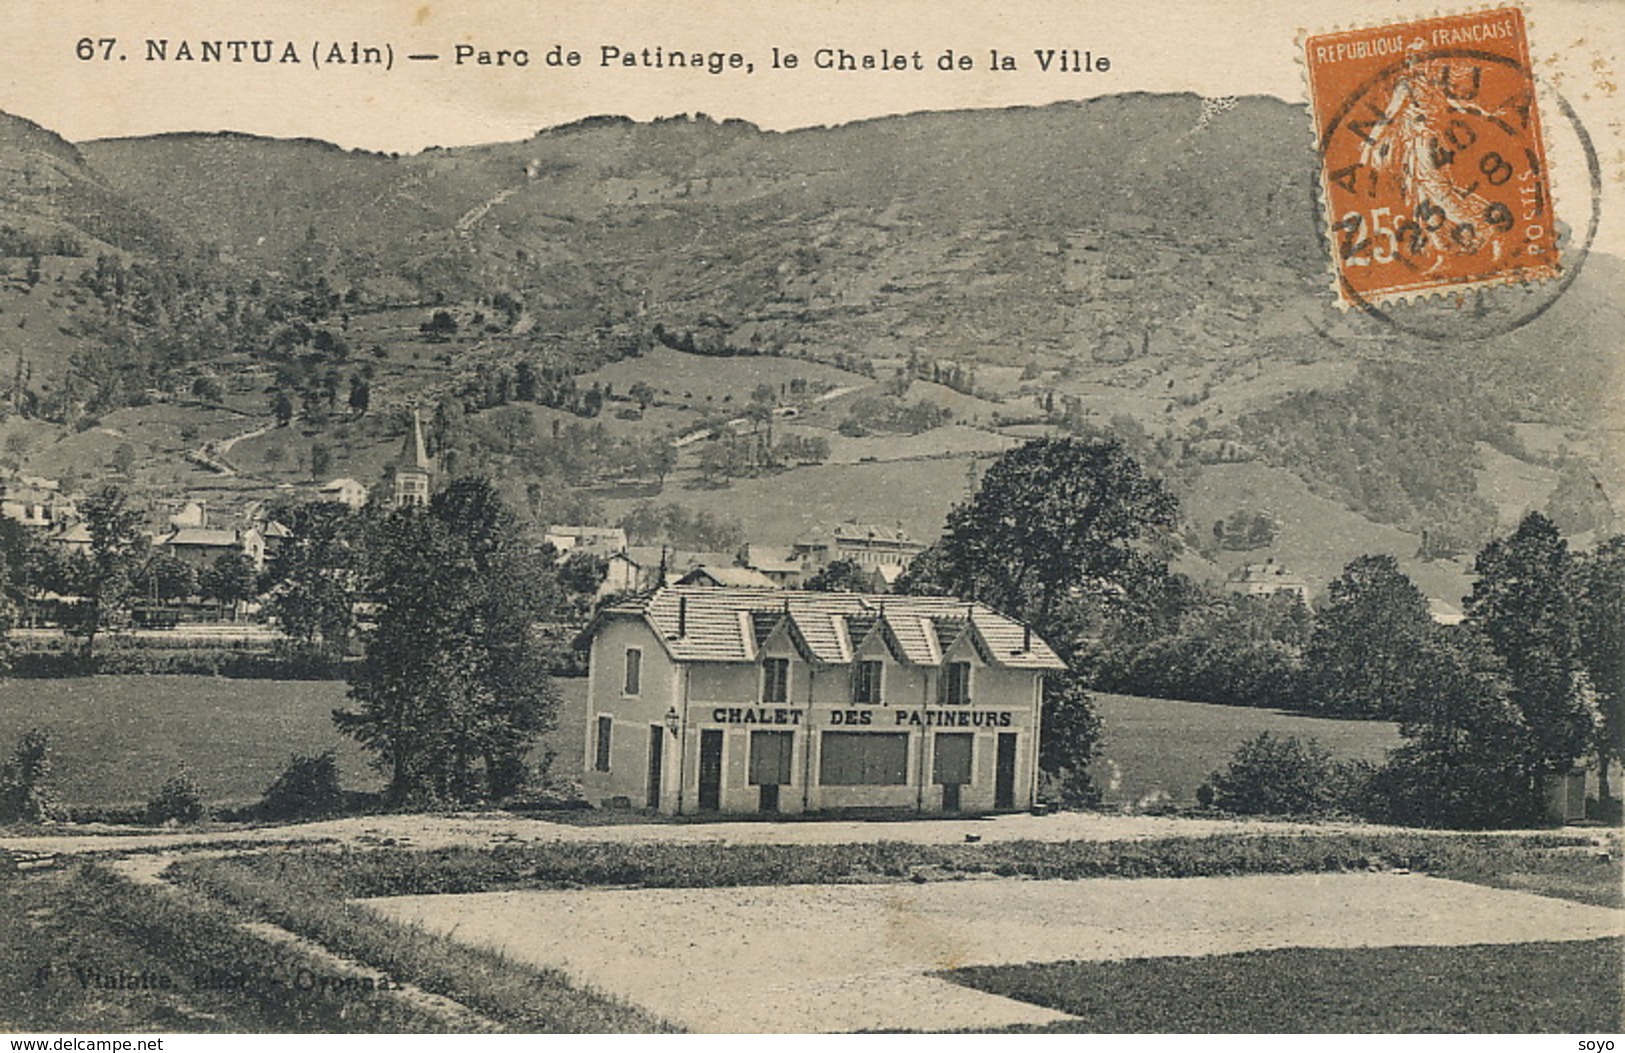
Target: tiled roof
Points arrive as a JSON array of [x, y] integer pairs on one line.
[[204, 537], [830, 624]]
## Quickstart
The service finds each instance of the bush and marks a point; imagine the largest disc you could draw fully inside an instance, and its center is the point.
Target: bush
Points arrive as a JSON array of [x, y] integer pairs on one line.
[[26, 792], [179, 800], [308, 786], [1283, 776], [1465, 789]]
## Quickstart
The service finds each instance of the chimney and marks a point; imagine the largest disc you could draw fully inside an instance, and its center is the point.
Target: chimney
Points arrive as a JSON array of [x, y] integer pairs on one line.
[[682, 616], [1026, 639]]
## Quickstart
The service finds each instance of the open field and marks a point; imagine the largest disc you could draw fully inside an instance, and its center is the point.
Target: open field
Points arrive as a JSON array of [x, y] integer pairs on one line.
[[116, 738], [1157, 747]]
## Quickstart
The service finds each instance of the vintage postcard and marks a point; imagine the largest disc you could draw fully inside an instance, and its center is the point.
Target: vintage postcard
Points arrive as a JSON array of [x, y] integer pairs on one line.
[[812, 517]]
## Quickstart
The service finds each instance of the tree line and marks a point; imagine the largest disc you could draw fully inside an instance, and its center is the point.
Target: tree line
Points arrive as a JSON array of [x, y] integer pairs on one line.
[[1075, 538]]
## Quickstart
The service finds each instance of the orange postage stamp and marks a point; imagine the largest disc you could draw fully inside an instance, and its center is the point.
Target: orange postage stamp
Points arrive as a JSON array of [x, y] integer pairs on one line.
[[1432, 161]]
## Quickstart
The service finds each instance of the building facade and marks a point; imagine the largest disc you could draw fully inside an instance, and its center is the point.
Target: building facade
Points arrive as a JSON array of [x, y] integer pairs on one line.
[[730, 700]]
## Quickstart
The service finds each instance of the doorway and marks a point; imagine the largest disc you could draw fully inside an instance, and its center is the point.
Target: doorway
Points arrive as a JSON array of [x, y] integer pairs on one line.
[[1004, 775], [657, 750], [951, 767], [710, 770]]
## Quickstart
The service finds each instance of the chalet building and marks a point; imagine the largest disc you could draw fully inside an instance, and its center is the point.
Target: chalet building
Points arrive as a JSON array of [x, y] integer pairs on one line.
[[411, 473], [736, 700], [1267, 579]]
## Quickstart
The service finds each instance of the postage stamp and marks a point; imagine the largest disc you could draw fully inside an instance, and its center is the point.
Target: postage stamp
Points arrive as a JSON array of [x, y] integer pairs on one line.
[[1432, 159]]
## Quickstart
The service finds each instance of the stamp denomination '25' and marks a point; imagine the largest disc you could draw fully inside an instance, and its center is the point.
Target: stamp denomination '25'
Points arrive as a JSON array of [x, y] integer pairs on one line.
[[1433, 164]]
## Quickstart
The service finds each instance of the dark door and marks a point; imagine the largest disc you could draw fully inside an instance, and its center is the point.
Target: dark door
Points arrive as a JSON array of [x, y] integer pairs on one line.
[[951, 767], [770, 765], [710, 770], [1004, 776], [657, 747]]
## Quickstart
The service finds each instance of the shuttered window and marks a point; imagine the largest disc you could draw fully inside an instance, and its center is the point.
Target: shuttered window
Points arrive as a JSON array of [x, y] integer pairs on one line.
[[854, 758], [956, 683], [866, 683], [770, 758], [633, 683], [775, 681], [601, 761]]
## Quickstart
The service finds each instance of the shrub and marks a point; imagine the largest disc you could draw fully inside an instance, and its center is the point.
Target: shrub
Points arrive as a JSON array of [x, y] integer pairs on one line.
[[179, 800], [308, 786], [26, 791], [1282, 776]]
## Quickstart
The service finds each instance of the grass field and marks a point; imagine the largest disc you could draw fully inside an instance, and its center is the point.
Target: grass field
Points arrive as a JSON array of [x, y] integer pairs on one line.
[[1522, 988], [115, 739], [1157, 747]]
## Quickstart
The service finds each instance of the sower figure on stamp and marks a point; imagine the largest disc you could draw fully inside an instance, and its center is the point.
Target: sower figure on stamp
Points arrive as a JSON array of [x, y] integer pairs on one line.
[[1412, 144]]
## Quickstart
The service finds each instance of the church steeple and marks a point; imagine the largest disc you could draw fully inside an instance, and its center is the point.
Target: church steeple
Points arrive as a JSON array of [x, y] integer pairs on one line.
[[412, 468]]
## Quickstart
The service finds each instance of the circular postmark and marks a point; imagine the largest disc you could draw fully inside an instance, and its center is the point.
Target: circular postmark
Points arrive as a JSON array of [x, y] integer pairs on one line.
[[1433, 180]]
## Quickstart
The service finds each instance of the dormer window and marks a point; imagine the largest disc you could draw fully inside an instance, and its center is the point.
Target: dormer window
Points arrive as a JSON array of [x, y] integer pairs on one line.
[[956, 684], [775, 681], [866, 682]]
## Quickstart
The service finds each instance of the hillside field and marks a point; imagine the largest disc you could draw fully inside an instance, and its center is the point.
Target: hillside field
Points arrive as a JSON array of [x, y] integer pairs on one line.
[[115, 739]]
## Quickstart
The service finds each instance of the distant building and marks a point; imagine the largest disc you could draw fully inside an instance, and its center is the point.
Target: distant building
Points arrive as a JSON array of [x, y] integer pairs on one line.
[[199, 547], [757, 700], [346, 492], [191, 514], [411, 473], [778, 563], [35, 502], [716, 576], [1266, 579], [867, 546], [600, 541], [640, 568]]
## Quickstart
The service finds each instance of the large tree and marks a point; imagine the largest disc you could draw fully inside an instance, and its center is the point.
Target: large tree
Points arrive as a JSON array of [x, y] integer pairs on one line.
[[315, 576], [104, 574], [1524, 603], [1362, 658], [1057, 525], [453, 688], [1600, 595]]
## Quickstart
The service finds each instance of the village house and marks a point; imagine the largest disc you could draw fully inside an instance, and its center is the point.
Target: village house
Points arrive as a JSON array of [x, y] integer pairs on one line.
[[736, 700], [199, 547], [1266, 579], [599, 541], [347, 492]]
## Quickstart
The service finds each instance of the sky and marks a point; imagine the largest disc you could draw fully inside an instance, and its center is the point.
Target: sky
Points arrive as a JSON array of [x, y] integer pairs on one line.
[[1236, 48]]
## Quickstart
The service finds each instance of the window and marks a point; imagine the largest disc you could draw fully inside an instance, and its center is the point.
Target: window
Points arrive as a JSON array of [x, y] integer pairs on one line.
[[633, 683], [770, 758], [858, 758], [866, 682], [601, 761], [956, 684], [775, 681]]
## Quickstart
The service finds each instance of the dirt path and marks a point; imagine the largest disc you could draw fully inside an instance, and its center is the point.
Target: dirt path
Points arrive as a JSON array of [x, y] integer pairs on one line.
[[762, 959], [481, 830]]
